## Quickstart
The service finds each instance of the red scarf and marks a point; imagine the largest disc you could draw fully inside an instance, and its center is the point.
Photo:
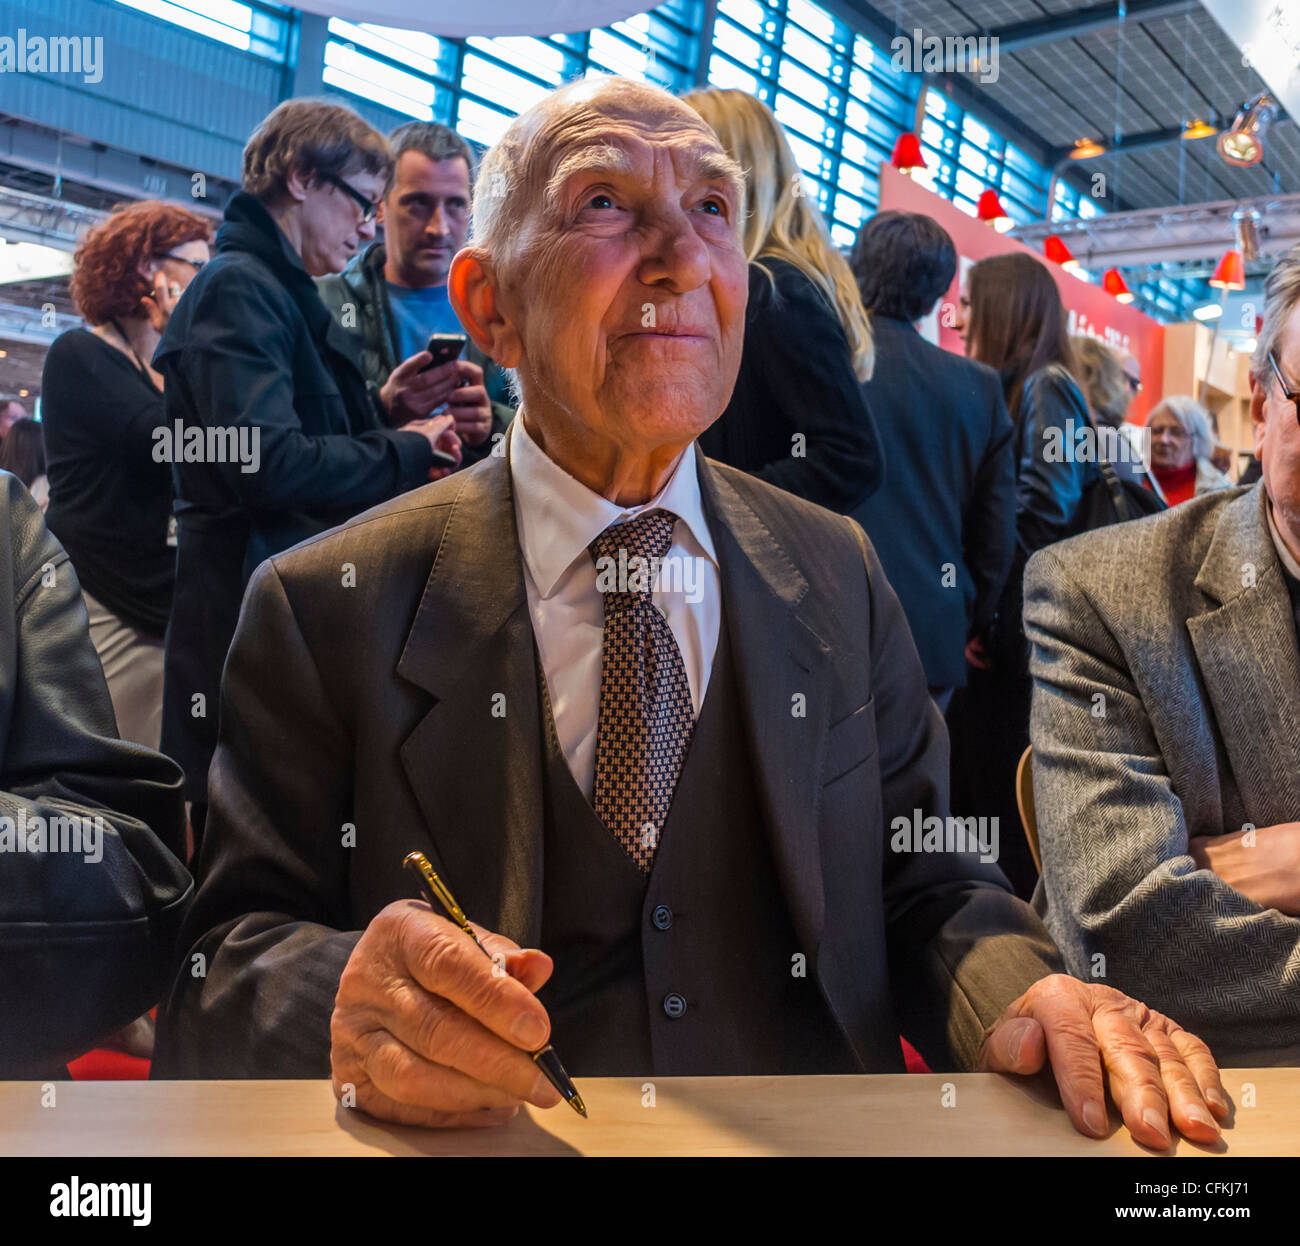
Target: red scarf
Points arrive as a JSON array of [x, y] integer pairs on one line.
[[1177, 485]]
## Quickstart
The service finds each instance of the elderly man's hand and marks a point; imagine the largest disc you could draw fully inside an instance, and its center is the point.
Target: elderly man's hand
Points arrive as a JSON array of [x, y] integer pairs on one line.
[[430, 1031], [1154, 1067]]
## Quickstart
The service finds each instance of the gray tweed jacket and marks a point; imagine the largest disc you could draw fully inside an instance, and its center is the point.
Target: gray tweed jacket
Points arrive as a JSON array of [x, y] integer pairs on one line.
[[1166, 706]]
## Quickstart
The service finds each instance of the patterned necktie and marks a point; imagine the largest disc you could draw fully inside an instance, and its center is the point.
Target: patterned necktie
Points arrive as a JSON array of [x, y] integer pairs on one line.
[[646, 717]]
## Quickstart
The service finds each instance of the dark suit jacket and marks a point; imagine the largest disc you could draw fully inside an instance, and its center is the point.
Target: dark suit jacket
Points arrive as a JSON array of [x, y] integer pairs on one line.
[[944, 521], [251, 346], [796, 376], [370, 709], [85, 946]]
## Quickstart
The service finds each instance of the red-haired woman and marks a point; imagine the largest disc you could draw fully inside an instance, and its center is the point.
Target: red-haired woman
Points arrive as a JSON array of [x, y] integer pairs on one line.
[[110, 493]]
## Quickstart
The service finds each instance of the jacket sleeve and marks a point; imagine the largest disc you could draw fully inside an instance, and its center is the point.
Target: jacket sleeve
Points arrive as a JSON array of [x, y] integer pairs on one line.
[[989, 525], [798, 345], [267, 936], [1049, 484], [1120, 892], [961, 945], [238, 370], [86, 937]]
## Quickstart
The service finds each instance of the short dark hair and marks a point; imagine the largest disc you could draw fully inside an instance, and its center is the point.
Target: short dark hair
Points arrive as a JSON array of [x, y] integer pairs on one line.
[[903, 262], [317, 138], [429, 138]]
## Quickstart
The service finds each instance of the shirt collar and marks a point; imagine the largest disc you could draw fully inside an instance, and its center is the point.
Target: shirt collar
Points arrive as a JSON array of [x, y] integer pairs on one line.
[[558, 516], [1287, 559]]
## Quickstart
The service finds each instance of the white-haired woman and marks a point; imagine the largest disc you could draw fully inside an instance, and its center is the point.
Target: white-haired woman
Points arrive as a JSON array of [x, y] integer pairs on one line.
[[1181, 443], [797, 416]]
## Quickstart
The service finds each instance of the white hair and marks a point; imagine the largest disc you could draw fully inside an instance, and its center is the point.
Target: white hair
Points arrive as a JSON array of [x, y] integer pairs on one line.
[[1281, 294], [1194, 418]]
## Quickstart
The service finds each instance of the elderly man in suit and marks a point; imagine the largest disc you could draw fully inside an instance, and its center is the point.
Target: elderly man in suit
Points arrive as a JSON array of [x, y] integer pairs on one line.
[[678, 784], [1166, 737]]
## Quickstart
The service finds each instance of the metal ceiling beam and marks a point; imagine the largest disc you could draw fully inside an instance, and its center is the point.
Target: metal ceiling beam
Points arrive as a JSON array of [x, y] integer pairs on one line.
[[1140, 139], [1175, 235], [106, 169], [1017, 35], [48, 222], [28, 324], [1127, 142]]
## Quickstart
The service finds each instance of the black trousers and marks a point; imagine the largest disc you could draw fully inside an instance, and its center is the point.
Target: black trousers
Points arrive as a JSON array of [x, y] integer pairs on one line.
[[988, 724]]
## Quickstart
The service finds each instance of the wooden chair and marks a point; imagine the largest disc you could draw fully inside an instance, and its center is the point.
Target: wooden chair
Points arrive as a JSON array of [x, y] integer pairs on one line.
[[1025, 803]]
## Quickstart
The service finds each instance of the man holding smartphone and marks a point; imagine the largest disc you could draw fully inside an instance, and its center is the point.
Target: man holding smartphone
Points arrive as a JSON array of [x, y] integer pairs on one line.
[[393, 295]]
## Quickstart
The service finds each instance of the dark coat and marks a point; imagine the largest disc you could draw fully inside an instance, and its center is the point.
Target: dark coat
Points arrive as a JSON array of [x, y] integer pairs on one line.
[[363, 285], [943, 522], [85, 946], [250, 345], [796, 377], [381, 721]]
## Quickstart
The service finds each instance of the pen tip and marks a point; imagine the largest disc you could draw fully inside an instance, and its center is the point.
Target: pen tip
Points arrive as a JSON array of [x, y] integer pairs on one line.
[[578, 1106]]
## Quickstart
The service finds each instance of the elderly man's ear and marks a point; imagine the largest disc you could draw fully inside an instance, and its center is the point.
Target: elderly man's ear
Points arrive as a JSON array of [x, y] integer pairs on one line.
[[471, 288], [1258, 416]]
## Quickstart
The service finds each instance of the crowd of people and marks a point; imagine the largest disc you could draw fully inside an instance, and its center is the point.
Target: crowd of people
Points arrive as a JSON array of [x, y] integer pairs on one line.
[[892, 590]]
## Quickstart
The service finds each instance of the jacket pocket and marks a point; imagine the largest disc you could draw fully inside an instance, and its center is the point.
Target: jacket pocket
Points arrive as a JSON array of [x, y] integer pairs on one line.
[[850, 743]]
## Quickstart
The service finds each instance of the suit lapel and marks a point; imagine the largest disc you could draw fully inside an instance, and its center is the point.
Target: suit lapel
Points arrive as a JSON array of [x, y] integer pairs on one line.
[[473, 761], [472, 640], [777, 656], [1246, 650]]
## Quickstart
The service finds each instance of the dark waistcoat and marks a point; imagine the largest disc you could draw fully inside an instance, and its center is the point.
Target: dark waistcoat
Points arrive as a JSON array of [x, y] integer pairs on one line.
[[694, 969]]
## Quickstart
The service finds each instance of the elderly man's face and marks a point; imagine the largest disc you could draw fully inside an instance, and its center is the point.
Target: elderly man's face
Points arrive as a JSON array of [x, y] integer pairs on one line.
[[1277, 435], [628, 283]]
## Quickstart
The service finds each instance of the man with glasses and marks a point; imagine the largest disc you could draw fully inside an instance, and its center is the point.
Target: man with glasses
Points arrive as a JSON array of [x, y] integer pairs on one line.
[[254, 361], [1166, 737], [393, 295]]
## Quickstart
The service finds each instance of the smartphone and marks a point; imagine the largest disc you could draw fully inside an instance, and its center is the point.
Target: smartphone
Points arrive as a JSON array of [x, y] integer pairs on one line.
[[444, 347]]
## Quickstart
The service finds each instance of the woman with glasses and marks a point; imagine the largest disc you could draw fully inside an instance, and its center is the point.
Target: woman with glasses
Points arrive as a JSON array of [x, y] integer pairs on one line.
[[254, 360], [1182, 442], [110, 499]]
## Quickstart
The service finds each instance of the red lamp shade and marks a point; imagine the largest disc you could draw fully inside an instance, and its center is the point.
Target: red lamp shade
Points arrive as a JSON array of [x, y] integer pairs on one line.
[[1113, 283], [907, 153], [1059, 253], [1230, 272], [989, 209]]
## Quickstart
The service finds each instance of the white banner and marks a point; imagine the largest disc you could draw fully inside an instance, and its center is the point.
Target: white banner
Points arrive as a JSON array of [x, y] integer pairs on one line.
[[457, 19]]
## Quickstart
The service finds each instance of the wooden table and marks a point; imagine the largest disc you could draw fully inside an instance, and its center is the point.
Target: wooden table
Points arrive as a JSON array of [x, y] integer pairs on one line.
[[884, 1115]]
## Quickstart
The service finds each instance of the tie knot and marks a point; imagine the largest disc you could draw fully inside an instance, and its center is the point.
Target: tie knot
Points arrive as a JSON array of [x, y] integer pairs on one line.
[[627, 555]]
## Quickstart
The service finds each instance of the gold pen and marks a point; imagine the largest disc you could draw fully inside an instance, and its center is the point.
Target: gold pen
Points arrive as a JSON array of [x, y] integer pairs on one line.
[[545, 1058]]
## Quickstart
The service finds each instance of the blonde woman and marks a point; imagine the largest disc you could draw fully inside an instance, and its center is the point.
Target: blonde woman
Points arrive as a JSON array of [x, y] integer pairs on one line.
[[797, 417]]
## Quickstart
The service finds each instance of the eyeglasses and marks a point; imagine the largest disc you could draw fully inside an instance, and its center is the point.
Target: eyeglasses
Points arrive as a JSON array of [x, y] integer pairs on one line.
[[368, 207], [1290, 394], [197, 265]]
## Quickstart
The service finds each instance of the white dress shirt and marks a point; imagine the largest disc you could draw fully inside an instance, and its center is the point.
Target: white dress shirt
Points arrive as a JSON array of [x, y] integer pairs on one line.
[[558, 517]]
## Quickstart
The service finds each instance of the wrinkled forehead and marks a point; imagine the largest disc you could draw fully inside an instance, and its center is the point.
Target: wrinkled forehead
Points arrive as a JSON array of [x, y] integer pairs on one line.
[[624, 137]]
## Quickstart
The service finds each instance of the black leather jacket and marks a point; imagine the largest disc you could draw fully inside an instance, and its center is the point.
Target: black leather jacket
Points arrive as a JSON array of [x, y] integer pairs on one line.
[[85, 943], [1049, 485]]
